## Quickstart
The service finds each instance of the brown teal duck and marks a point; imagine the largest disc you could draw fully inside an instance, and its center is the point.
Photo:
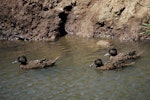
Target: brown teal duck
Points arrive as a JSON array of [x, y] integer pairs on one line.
[[114, 56], [111, 65], [35, 64]]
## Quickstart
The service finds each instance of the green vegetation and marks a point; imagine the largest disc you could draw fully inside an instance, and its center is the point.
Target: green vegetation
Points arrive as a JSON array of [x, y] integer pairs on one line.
[[147, 26]]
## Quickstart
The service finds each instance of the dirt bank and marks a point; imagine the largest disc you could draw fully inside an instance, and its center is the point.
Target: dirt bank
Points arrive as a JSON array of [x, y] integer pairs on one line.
[[51, 19]]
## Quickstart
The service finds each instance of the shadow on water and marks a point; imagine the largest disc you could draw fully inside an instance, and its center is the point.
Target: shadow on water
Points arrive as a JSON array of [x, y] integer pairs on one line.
[[72, 78]]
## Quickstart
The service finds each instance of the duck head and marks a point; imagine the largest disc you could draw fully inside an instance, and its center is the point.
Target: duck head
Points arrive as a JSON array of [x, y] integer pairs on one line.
[[112, 52], [98, 62], [21, 59]]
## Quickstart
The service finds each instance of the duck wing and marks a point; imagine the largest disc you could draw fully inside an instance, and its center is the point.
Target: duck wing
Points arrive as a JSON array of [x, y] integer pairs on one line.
[[120, 56], [51, 62], [33, 65], [107, 66], [37, 64], [120, 64]]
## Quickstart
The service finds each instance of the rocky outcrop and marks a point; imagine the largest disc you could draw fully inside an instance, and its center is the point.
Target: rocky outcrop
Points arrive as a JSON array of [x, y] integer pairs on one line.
[[109, 18], [32, 20], [51, 19]]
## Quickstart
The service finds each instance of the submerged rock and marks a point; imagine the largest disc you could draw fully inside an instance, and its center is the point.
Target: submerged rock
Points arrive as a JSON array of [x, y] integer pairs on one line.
[[104, 43]]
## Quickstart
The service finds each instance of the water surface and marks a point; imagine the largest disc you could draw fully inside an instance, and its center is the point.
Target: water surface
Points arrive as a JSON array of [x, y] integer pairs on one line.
[[72, 78]]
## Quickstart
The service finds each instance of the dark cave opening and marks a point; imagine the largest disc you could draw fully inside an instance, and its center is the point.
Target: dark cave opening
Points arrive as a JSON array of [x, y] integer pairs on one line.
[[63, 16], [61, 28]]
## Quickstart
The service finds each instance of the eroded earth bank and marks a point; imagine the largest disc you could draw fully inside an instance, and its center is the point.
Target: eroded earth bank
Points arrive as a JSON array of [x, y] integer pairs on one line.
[[51, 19]]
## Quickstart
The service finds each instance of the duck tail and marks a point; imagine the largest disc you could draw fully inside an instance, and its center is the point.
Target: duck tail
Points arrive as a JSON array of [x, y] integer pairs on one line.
[[140, 53], [55, 59]]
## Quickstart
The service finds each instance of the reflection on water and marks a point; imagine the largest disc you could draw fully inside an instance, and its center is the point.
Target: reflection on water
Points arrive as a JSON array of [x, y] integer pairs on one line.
[[72, 78]]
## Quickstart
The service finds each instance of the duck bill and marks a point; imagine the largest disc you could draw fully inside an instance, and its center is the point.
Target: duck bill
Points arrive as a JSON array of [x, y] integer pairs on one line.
[[14, 62], [107, 54], [92, 65]]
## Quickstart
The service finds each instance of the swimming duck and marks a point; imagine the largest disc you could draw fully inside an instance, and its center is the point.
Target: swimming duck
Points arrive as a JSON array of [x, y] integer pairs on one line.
[[111, 65], [114, 56], [42, 63]]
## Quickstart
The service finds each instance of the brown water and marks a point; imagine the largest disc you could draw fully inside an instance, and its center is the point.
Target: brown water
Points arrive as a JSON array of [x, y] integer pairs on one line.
[[72, 78]]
